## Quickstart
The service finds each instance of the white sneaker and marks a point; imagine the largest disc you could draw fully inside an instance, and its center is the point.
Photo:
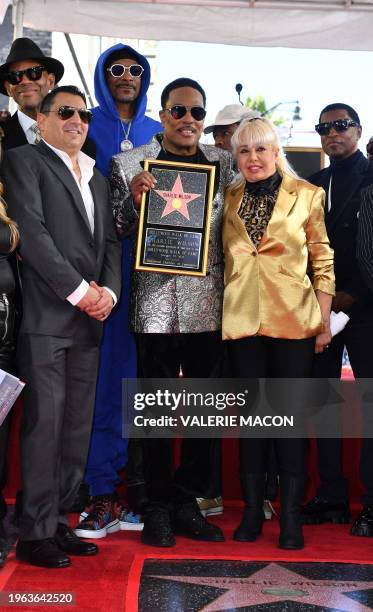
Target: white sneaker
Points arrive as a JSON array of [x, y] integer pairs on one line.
[[129, 521]]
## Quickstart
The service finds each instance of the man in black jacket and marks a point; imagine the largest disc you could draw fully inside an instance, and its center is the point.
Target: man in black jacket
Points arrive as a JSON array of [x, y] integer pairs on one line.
[[27, 76], [71, 280], [349, 172]]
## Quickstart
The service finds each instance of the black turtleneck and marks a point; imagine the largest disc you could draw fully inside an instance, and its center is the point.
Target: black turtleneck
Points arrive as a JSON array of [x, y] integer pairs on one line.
[[265, 187], [339, 165], [341, 175]]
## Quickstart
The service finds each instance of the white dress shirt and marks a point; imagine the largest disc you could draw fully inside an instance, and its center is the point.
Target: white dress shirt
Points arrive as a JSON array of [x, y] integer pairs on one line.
[[27, 124], [86, 165]]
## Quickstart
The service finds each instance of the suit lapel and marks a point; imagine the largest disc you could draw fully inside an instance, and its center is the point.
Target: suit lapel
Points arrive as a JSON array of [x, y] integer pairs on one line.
[[19, 134], [61, 170], [286, 199], [356, 178], [233, 202], [14, 134], [99, 211], [287, 196]]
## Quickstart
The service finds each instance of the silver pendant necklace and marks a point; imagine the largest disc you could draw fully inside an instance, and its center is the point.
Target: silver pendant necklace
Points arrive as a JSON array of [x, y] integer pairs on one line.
[[126, 144]]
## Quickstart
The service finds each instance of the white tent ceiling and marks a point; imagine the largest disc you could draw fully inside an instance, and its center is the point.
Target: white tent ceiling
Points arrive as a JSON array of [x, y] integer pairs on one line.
[[325, 24]]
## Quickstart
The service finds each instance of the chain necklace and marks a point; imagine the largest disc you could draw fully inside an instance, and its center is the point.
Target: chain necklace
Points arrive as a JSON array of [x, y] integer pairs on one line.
[[126, 144]]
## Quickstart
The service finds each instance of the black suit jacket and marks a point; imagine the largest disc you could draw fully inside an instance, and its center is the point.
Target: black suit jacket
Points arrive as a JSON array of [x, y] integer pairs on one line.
[[14, 136], [342, 225], [57, 247]]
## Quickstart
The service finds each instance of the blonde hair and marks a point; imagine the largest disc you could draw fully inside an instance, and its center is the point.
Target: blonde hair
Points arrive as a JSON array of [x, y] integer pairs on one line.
[[14, 233], [260, 131]]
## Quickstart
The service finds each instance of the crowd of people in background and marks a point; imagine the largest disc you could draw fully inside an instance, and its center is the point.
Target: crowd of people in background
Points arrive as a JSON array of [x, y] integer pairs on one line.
[[76, 318]]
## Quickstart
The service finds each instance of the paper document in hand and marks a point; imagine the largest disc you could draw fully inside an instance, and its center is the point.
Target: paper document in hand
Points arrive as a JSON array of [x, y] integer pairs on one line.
[[10, 388]]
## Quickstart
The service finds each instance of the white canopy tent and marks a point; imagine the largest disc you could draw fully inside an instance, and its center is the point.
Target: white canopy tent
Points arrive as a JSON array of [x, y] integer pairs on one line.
[[323, 24]]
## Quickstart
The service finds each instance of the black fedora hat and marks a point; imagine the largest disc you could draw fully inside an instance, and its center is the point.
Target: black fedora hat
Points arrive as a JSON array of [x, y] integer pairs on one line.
[[26, 49]]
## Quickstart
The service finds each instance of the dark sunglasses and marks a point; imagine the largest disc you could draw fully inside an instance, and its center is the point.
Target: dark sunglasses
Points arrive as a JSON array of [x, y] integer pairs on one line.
[[33, 74], [66, 112], [339, 125], [118, 70], [179, 111]]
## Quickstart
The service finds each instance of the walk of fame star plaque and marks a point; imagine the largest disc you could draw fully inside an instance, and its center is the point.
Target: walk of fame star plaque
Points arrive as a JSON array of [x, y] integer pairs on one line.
[[174, 225]]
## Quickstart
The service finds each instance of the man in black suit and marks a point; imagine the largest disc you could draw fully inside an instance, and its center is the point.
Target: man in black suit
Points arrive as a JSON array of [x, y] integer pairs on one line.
[[349, 172], [26, 76], [71, 280]]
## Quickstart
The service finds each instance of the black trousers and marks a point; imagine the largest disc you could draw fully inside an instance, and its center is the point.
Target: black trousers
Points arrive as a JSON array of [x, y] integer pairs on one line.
[[263, 357], [60, 376], [357, 336], [161, 356], [7, 363]]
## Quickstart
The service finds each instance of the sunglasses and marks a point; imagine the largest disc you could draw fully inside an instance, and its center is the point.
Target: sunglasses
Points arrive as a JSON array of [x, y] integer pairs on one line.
[[66, 112], [340, 125], [118, 70], [33, 74], [179, 111]]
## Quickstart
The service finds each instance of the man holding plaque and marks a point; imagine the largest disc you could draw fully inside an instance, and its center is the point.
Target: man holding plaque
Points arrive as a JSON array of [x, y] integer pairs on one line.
[[176, 317]]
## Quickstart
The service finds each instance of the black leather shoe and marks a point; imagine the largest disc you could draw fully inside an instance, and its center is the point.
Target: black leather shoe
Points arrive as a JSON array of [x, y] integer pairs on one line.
[[189, 522], [320, 510], [363, 526], [67, 541], [157, 528], [44, 553]]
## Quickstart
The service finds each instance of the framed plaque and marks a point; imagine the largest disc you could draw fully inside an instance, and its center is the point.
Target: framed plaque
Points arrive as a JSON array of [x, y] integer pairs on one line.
[[175, 216]]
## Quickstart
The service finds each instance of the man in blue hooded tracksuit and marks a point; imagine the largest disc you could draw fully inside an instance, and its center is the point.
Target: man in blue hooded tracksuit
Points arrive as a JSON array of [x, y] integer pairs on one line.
[[122, 78]]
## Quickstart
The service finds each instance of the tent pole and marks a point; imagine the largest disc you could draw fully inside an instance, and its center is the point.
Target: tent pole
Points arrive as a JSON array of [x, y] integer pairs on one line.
[[17, 17], [78, 67]]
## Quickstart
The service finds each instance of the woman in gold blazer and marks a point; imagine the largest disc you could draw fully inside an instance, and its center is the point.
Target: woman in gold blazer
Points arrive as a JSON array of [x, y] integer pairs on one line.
[[274, 317]]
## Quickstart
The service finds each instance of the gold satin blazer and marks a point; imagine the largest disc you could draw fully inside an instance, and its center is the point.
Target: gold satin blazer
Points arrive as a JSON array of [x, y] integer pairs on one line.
[[267, 290]]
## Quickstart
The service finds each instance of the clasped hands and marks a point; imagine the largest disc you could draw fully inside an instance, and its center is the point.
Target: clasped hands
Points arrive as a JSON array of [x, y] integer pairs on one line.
[[97, 302]]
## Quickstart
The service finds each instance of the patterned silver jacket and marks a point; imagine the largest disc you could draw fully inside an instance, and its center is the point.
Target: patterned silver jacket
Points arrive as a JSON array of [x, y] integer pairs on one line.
[[164, 303]]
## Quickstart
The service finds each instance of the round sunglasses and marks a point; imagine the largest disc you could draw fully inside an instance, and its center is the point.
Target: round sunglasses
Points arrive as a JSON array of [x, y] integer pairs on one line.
[[339, 125], [33, 74], [66, 112], [178, 111], [118, 70]]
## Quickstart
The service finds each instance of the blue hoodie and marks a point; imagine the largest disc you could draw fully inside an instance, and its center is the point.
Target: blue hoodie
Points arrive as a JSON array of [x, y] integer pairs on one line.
[[106, 127], [108, 449]]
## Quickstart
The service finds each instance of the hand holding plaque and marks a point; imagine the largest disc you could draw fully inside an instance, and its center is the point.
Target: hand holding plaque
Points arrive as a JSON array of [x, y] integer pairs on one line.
[[140, 184], [175, 217]]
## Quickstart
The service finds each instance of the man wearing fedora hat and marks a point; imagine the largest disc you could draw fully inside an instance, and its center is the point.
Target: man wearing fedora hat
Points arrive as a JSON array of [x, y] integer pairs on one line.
[[26, 76], [226, 122]]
